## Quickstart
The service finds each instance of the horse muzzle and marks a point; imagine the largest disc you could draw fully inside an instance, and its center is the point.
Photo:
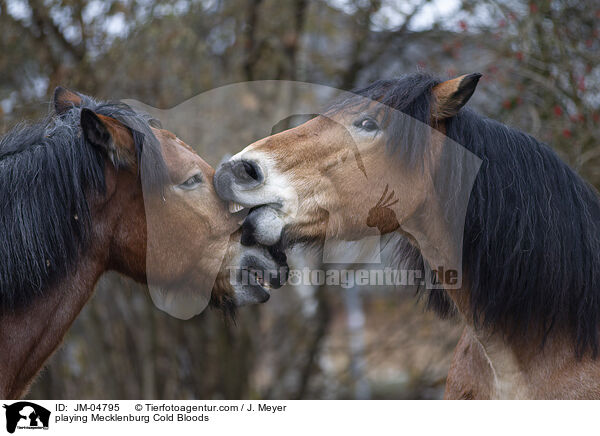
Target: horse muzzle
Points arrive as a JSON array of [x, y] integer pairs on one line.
[[259, 271]]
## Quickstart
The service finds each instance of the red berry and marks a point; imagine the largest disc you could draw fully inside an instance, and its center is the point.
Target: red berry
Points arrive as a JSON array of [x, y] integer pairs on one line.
[[558, 110]]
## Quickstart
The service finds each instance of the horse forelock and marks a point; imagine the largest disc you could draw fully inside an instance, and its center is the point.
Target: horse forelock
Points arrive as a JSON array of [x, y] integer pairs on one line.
[[531, 243], [47, 172]]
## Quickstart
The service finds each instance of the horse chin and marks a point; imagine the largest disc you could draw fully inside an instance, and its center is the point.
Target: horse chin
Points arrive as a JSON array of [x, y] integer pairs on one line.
[[259, 270], [263, 225], [268, 226], [245, 295]]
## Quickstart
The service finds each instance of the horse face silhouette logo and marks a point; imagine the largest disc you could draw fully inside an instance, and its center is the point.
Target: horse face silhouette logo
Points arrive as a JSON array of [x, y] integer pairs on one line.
[[26, 415], [382, 216]]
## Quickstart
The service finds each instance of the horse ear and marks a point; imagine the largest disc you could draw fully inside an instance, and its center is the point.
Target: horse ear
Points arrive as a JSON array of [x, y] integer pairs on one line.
[[111, 136], [452, 95], [64, 100]]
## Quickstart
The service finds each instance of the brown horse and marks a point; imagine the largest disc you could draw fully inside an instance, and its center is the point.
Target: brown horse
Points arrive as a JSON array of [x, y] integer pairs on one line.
[[522, 228], [78, 192]]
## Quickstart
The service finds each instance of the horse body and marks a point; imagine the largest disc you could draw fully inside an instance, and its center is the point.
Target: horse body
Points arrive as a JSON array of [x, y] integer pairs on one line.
[[82, 192], [495, 205], [489, 368]]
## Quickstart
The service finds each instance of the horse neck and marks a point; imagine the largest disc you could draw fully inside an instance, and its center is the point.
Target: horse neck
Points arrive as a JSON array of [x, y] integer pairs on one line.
[[488, 365], [29, 336]]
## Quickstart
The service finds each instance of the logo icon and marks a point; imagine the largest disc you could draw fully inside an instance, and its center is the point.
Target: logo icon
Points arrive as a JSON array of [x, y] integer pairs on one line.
[[26, 415]]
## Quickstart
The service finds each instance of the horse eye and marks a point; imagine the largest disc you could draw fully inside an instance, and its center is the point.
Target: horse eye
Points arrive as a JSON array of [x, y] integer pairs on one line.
[[367, 124], [192, 182]]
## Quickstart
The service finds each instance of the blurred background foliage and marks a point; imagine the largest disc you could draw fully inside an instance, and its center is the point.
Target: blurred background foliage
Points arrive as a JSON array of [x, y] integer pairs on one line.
[[540, 61]]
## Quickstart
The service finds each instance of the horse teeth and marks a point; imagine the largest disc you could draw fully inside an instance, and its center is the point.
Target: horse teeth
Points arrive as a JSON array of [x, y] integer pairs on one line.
[[234, 207]]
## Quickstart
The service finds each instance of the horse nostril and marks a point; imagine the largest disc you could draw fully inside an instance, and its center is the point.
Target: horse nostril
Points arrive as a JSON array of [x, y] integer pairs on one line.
[[246, 171], [222, 183]]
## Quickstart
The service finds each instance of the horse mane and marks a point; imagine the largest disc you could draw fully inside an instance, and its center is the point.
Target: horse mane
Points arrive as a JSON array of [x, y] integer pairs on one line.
[[531, 243], [47, 172]]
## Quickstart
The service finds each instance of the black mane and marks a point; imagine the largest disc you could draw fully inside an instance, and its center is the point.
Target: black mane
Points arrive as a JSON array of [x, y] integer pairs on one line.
[[47, 171], [531, 244]]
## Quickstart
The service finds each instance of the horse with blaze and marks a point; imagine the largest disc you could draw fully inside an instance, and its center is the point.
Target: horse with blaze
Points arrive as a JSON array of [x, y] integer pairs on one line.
[[522, 228]]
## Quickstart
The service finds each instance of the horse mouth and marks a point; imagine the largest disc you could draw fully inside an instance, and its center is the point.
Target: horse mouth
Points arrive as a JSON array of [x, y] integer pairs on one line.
[[235, 207], [266, 286], [260, 271], [261, 289], [256, 291]]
